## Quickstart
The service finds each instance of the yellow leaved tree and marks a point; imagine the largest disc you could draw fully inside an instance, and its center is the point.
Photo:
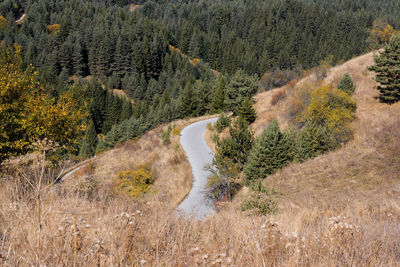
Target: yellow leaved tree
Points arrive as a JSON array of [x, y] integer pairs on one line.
[[28, 114], [333, 109]]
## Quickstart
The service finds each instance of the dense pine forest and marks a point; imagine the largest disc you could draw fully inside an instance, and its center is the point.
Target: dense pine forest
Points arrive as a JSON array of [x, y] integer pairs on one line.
[[170, 58]]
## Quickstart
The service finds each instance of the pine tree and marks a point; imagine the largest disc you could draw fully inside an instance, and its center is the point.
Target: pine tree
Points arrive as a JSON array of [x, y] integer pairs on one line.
[[88, 147], [238, 145], [311, 141], [388, 71], [126, 110], [187, 101], [246, 110], [346, 84], [271, 151], [78, 62], [240, 86], [217, 103]]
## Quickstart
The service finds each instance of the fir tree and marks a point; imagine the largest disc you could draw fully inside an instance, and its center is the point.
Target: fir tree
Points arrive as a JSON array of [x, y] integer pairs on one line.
[[78, 61], [126, 110], [311, 141], [271, 151], [388, 71], [217, 102], [88, 147], [240, 86], [237, 146], [246, 111], [346, 84]]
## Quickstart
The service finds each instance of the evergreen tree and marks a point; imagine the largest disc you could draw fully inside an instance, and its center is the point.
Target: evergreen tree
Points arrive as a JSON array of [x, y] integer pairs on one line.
[[271, 151], [187, 101], [388, 71], [78, 61], [236, 147], [217, 102], [88, 147], [346, 84], [126, 110], [312, 141], [246, 110], [240, 86]]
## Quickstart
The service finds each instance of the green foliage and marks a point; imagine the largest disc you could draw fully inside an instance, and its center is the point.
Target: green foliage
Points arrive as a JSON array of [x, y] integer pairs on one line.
[[388, 71], [271, 151], [312, 141], [88, 148], [240, 86], [135, 182], [217, 103], [222, 122], [238, 145], [346, 84], [261, 203], [246, 110], [165, 135]]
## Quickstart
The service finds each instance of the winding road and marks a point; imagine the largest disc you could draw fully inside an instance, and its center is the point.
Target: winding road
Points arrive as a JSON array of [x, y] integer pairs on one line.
[[199, 154]]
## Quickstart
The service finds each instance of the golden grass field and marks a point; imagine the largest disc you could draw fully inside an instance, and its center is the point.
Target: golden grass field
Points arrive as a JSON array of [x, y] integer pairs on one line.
[[339, 209]]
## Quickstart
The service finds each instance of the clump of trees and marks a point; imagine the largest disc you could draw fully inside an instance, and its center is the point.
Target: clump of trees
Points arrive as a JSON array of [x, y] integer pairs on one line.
[[321, 125], [28, 114]]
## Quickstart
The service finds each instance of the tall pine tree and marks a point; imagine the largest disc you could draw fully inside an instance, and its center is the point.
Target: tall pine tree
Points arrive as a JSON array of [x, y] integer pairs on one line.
[[271, 151], [387, 68]]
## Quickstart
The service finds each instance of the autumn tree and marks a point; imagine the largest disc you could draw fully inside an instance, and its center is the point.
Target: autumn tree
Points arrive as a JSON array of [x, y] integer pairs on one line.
[[380, 34], [27, 114], [388, 72]]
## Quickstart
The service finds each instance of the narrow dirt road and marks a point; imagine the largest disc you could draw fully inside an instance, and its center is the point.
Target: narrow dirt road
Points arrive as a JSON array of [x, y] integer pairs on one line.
[[200, 155]]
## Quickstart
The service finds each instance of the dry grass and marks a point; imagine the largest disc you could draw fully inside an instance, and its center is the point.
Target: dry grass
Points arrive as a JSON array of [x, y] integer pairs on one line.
[[339, 209]]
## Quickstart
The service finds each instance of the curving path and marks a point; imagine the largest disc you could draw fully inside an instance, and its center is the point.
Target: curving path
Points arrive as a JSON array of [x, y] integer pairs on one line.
[[200, 155]]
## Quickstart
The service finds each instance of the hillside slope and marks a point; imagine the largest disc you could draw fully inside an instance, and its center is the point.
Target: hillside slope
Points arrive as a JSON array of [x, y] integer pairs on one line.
[[361, 179], [339, 209]]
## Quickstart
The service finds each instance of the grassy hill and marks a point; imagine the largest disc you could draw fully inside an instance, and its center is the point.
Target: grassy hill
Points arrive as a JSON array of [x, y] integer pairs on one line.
[[341, 208]]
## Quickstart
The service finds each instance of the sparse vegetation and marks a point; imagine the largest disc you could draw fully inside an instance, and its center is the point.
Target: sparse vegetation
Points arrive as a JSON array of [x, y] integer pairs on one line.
[[166, 134]]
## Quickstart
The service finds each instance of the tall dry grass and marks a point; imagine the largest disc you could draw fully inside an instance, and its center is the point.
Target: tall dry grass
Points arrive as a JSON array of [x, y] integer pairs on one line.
[[115, 230]]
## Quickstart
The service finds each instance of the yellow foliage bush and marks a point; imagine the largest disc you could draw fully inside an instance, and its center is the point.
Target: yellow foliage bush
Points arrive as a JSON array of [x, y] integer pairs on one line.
[[3, 23], [135, 182], [176, 131], [54, 28], [195, 61], [331, 108]]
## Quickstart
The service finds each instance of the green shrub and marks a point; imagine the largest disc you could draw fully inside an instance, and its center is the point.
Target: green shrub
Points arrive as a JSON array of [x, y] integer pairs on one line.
[[260, 203], [238, 145], [311, 141], [346, 84], [222, 122]]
